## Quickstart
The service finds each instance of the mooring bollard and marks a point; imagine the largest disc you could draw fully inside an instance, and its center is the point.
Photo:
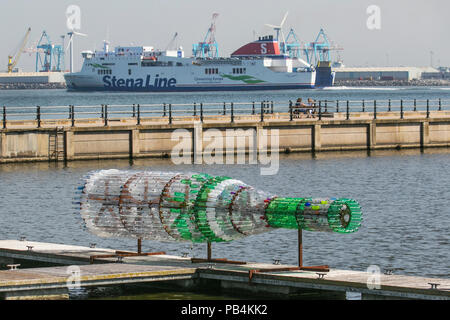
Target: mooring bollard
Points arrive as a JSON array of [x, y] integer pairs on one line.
[[4, 117]]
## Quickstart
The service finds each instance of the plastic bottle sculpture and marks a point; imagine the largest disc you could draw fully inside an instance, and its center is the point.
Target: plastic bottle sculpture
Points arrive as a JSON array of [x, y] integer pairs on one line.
[[167, 206]]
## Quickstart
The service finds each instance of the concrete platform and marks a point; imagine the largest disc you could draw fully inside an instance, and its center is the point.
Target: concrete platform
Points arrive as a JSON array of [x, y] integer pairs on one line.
[[54, 282]]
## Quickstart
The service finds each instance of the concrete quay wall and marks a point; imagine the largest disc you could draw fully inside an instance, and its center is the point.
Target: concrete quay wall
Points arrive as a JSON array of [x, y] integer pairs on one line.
[[89, 139]]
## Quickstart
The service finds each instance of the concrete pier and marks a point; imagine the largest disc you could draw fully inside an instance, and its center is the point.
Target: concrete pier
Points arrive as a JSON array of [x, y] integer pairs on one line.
[[60, 140], [54, 282]]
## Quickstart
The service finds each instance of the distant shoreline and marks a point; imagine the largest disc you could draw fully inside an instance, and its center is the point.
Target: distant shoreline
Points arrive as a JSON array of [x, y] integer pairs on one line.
[[338, 83], [28, 86], [393, 83]]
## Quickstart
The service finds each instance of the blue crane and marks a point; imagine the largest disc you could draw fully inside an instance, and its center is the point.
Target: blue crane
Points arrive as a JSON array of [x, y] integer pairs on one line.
[[209, 47], [49, 57]]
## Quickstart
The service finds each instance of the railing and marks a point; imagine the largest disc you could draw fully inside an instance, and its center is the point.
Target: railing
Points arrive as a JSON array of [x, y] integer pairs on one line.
[[228, 111]]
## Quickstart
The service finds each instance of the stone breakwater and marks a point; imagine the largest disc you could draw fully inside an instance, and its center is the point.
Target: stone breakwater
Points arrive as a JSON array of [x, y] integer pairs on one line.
[[22, 86], [393, 83]]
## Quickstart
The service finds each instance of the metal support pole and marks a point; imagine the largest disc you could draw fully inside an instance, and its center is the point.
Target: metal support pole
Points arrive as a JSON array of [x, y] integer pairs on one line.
[[201, 112], [72, 115], [134, 110], [337, 106], [262, 111], [38, 116], [300, 248], [320, 110], [253, 107], [374, 109], [139, 246], [291, 116], [326, 106], [428, 108], [440, 105], [415, 105], [164, 110], [4, 117], [106, 115], [363, 106], [348, 111], [103, 112], [389, 105], [224, 108], [209, 251], [195, 109], [138, 114], [401, 109], [232, 112], [170, 113], [271, 106]]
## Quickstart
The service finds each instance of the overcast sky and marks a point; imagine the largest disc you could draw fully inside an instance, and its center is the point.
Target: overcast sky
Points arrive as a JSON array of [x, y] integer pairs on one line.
[[410, 30]]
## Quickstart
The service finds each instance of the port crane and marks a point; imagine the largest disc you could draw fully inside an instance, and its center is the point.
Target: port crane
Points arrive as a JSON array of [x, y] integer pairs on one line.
[[13, 59], [49, 56], [319, 50], [172, 41], [209, 46]]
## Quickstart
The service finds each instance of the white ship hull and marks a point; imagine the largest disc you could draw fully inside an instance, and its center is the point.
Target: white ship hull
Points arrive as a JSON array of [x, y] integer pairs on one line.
[[142, 69]]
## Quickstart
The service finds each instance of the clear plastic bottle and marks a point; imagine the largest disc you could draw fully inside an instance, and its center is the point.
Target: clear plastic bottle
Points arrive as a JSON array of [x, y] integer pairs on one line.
[[167, 206]]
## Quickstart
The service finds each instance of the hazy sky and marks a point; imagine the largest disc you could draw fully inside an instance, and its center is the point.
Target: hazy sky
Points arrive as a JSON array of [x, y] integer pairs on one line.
[[409, 29]]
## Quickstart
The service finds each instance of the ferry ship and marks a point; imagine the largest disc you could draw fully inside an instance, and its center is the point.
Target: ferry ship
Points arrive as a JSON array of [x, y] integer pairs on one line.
[[258, 65]]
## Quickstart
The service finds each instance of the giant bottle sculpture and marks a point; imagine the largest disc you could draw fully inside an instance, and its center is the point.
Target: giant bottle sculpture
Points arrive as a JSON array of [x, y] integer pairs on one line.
[[166, 206]]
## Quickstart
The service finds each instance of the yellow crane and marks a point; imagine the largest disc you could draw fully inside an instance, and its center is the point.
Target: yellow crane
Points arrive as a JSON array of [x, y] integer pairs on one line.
[[13, 59]]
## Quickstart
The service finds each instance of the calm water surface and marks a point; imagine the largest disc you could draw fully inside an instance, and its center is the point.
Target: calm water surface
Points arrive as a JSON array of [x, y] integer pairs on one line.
[[405, 195]]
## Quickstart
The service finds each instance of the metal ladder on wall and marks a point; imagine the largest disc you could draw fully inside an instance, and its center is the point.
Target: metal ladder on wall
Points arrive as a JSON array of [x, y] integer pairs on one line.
[[56, 145]]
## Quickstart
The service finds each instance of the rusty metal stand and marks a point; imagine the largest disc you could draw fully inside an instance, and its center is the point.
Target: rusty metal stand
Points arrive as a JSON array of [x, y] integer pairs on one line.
[[323, 268], [121, 254], [209, 258]]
